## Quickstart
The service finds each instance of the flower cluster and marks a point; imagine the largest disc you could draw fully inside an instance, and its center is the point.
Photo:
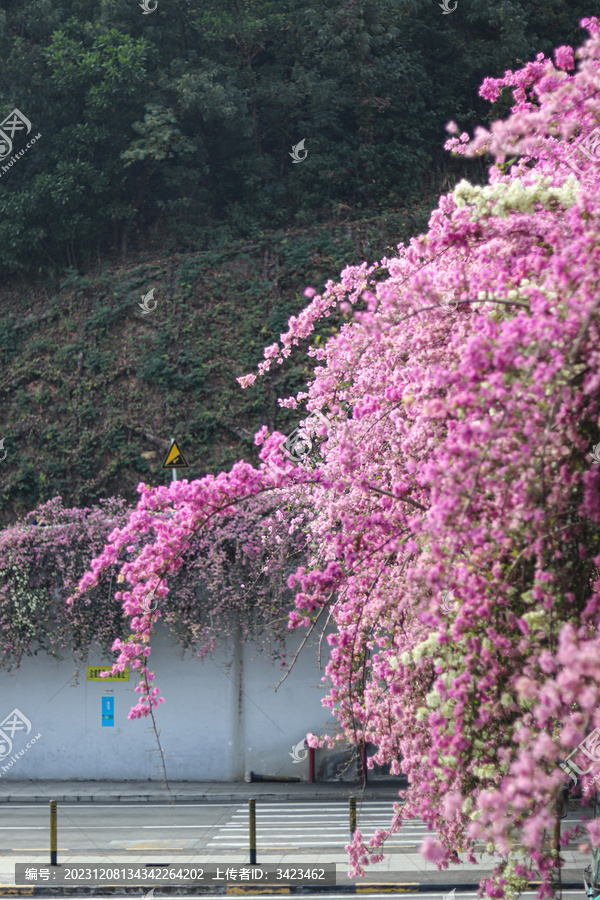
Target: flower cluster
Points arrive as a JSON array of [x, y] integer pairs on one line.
[[462, 399], [42, 559]]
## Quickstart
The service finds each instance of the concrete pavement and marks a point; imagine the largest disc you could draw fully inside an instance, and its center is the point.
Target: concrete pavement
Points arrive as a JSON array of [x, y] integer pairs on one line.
[[373, 888], [192, 791]]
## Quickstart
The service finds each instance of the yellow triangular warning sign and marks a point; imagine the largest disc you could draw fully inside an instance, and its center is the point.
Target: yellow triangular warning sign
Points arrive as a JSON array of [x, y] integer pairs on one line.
[[175, 458]]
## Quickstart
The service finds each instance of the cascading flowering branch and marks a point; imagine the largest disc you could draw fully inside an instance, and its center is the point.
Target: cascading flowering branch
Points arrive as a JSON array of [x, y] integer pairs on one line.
[[196, 521], [234, 575], [462, 399], [459, 461]]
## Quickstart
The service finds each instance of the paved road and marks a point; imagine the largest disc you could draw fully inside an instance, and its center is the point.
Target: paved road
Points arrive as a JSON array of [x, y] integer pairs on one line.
[[210, 827], [143, 833], [207, 827], [202, 826]]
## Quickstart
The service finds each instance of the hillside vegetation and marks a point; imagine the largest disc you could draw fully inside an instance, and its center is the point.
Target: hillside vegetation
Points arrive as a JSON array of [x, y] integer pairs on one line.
[[93, 388]]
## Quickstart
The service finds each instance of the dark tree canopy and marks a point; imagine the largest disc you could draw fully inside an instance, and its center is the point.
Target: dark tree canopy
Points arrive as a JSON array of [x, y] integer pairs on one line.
[[180, 123]]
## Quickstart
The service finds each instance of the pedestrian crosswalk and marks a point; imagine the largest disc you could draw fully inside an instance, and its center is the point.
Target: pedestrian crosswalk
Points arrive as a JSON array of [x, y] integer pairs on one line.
[[290, 826], [319, 826]]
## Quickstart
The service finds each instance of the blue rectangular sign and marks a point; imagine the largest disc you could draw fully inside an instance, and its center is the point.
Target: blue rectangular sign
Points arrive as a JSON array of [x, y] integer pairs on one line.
[[108, 711]]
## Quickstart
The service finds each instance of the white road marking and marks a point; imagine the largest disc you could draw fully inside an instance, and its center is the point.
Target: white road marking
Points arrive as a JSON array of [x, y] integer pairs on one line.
[[284, 826]]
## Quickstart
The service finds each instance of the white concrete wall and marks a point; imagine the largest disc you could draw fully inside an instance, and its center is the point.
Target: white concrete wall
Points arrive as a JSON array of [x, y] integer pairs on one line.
[[220, 717]]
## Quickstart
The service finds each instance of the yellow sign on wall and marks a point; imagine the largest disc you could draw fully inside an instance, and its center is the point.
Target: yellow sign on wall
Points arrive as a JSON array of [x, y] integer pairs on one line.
[[93, 674]]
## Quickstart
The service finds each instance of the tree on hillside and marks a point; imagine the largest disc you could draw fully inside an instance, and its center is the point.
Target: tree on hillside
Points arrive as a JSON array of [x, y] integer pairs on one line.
[[453, 488]]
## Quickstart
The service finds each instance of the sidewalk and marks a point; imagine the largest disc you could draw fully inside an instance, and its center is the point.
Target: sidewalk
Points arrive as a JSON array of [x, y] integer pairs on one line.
[[191, 791], [400, 887]]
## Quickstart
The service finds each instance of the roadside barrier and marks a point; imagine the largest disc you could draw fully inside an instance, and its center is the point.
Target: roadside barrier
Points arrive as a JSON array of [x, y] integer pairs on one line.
[[53, 834], [252, 824]]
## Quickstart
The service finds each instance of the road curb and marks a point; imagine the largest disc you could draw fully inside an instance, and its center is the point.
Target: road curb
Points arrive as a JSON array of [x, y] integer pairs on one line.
[[401, 887], [193, 798]]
